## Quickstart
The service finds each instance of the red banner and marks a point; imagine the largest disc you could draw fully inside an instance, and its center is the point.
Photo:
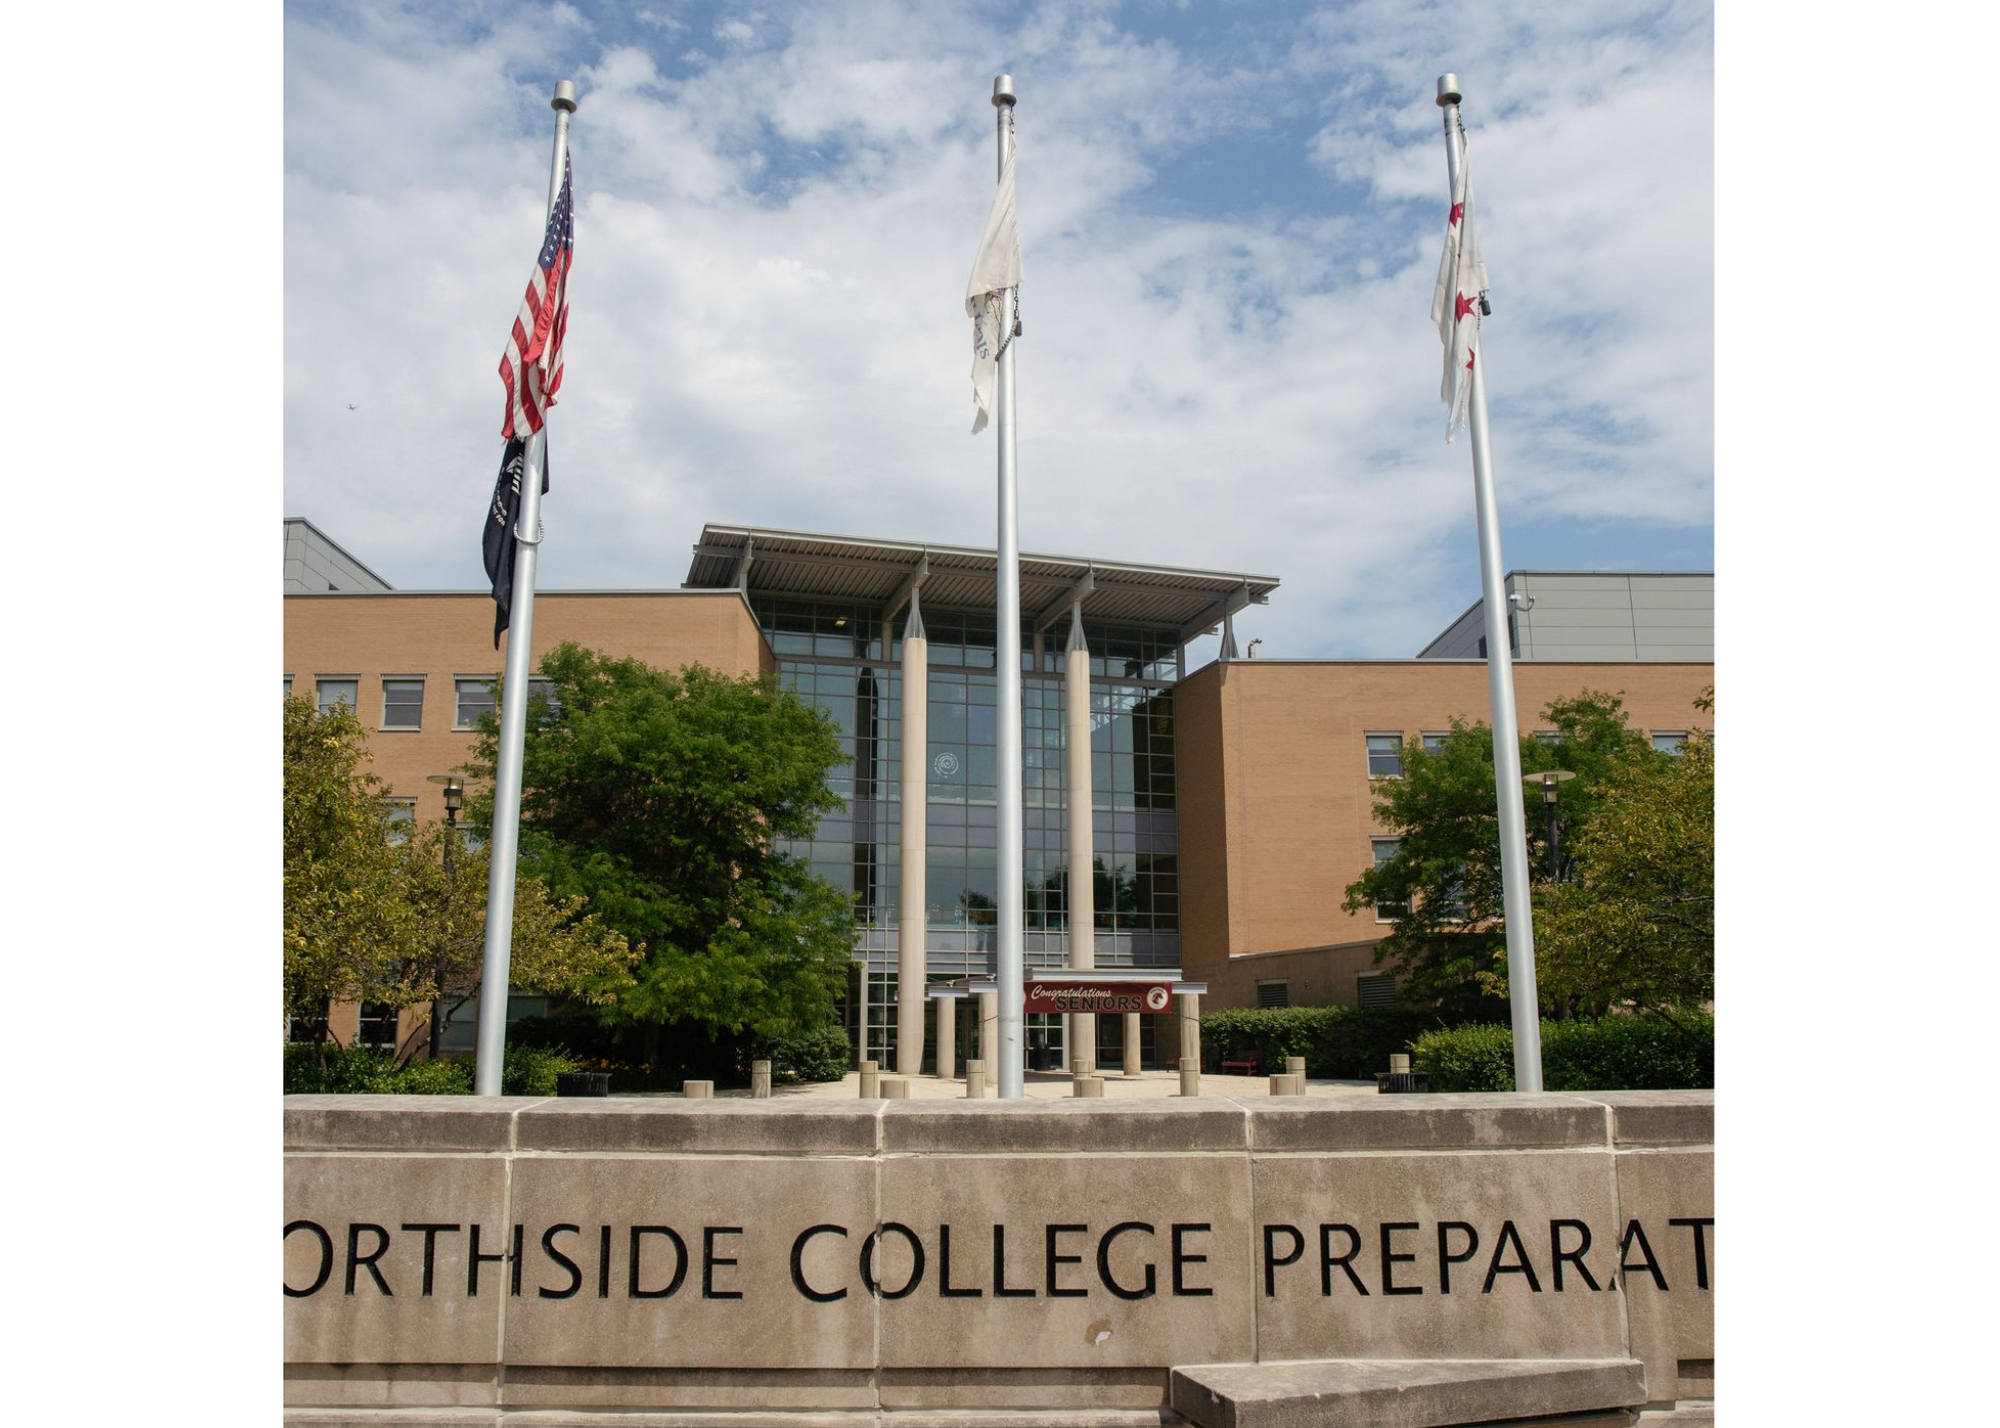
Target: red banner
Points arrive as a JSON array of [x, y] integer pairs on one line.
[[1081, 995]]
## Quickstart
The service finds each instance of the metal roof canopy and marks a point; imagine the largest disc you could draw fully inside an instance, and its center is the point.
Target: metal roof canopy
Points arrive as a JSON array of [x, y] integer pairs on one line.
[[879, 572]]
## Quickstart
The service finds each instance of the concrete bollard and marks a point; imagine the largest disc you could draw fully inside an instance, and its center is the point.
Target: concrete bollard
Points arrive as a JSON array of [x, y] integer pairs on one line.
[[698, 1090], [1287, 1085], [1133, 1068], [1190, 1077], [1295, 1066], [870, 1073], [1090, 1086], [760, 1080], [896, 1090], [975, 1080], [1399, 1064]]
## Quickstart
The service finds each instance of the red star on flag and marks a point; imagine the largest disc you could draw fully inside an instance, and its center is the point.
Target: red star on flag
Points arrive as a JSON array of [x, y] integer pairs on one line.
[[1457, 212], [1464, 307]]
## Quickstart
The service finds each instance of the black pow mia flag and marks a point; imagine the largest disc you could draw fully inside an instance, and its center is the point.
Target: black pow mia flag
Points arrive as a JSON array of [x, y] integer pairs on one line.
[[498, 544]]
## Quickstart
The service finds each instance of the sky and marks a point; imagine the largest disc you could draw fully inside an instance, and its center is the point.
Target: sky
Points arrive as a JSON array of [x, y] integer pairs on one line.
[[1231, 217]]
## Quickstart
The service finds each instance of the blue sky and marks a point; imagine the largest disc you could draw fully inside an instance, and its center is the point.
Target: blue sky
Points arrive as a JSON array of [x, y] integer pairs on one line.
[[1230, 213]]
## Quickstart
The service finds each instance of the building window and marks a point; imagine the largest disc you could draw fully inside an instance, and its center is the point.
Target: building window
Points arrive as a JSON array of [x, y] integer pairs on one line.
[[377, 1026], [1384, 849], [1434, 740], [545, 689], [402, 818], [288, 686], [337, 691], [1274, 994], [1385, 755], [1375, 989], [1548, 736], [1669, 741], [402, 703], [1451, 901], [475, 698], [310, 1029]]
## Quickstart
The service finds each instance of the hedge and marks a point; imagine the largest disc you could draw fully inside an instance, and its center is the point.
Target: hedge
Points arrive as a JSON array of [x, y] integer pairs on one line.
[[320, 1069], [1615, 1053], [1343, 1043], [821, 1055]]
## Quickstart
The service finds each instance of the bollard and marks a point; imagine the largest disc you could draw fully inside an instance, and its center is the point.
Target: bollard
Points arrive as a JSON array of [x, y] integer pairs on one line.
[[760, 1080], [1190, 1077], [1090, 1086], [975, 1080], [869, 1076], [896, 1090], [1295, 1066], [1399, 1064], [698, 1090], [1284, 1084]]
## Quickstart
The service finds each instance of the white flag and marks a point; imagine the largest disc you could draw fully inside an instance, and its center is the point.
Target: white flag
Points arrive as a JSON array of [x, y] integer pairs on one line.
[[1455, 300], [996, 269]]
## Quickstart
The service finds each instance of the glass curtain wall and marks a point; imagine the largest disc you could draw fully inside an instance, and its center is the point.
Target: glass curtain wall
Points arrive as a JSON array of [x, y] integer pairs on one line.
[[839, 658]]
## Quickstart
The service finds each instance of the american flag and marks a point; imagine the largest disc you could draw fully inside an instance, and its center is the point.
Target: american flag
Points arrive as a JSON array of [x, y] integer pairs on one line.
[[531, 367]]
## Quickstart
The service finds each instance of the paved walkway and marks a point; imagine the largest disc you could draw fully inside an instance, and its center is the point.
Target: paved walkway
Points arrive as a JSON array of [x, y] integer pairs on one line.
[[1052, 1085]]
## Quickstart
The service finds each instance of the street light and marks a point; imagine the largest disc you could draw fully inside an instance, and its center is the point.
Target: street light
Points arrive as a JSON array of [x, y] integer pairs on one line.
[[454, 800], [1548, 780]]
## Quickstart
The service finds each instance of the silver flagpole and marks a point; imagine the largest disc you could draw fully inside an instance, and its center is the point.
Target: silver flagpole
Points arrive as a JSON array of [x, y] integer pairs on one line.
[[491, 1042], [1517, 904], [1008, 658]]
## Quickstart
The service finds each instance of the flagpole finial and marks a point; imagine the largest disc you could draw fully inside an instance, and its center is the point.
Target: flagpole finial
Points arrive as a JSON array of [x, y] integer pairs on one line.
[[1448, 90], [1003, 91], [565, 98]]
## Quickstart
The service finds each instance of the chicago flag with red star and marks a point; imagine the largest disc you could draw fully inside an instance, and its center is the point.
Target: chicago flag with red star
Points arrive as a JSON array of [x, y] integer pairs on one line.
[[1455, 299]]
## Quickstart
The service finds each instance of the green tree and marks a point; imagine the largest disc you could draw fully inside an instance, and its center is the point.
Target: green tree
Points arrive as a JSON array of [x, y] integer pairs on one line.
[[370, 917], [346, 928], [662, 799], [1635, 922], [1444, 880]]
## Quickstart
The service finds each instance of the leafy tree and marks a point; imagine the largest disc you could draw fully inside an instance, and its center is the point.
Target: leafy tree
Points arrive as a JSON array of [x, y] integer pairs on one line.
[[661, 798], [371, 919], [1444, 880], [1636, 922], [346, 928]]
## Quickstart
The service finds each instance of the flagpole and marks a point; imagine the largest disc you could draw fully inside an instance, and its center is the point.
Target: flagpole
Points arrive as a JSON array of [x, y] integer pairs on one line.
[[1008, 659], [1518, 906], [505, 845]]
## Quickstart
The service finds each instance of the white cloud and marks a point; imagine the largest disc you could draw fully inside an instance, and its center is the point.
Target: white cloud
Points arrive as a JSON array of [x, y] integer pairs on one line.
[[772, 245]]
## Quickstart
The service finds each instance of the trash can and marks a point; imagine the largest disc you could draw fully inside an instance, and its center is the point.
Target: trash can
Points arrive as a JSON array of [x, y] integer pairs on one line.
[[583, 1083], [1391, 1083]]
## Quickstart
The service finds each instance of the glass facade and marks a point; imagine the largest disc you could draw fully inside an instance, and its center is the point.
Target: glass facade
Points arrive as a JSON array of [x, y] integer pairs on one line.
[[840, 658]]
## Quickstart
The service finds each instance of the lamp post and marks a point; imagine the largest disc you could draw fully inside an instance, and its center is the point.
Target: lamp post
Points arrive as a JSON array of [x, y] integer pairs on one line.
[[454, 800], [1549, 780]]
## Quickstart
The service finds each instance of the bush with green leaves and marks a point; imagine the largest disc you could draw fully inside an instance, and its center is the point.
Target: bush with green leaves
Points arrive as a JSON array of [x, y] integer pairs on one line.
[[326, 1069], [433, 1078], [1647, 1052], [532, 1070], [821, 1055], [1337, 1042], [329, 1070]]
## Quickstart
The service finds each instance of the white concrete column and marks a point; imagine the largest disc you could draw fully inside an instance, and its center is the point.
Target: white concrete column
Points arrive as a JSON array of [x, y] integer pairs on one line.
[[947, 1038], [1190, 1028], [1132, 1067], [911, 910], [1082, 878], [989, 1032], [861, 1036]]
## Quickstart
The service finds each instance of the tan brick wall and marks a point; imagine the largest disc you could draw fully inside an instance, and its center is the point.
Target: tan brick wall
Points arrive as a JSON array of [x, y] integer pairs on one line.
[[444, 637], [1266, 856]]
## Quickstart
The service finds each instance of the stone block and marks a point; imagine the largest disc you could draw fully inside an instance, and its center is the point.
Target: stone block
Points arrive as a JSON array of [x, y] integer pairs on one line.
[[1660, 1117], [725, 1261], [392, 1385], [1029, 1265], [947, 1127], [356, 1272], [1439, 1122], [712, 1390], [957, 1390], [1501, 1255], [1669, 1276], [1436, 1394], [678, 1127], [400, 1123]]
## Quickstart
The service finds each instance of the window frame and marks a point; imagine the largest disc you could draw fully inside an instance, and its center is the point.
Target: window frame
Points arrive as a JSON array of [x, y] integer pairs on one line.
[[402, 817], [1370, 752], [1655, 735], [458, 683], [1375, 850], [1426, 736], [319, 700], [383, 725], [1284, 991]]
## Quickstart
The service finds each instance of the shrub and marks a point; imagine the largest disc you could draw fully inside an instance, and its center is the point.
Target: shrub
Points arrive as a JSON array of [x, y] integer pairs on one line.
[[532, 1070], [1340, 1042], [1614, 1053], [819, 1055], [433, 1078], [323, 1068]]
